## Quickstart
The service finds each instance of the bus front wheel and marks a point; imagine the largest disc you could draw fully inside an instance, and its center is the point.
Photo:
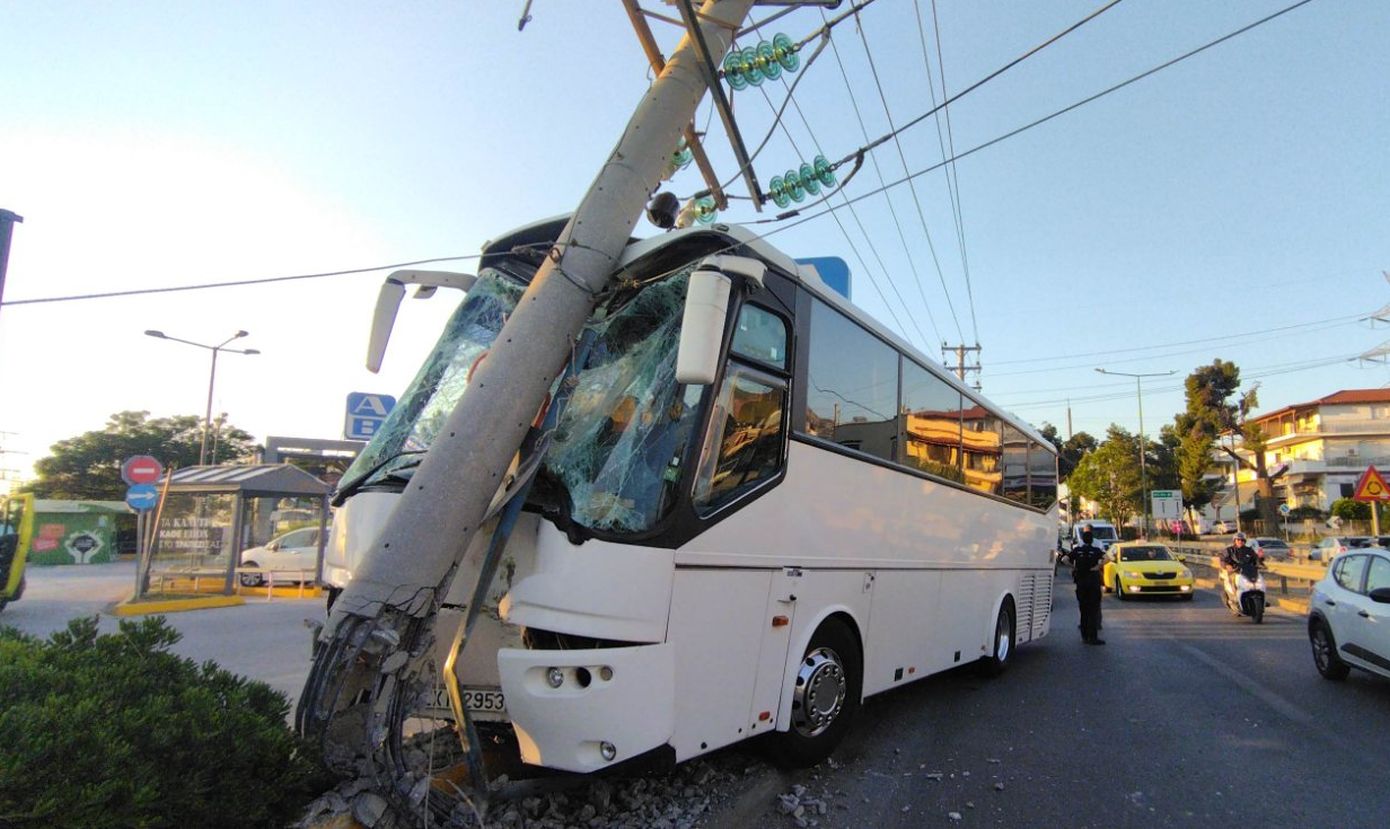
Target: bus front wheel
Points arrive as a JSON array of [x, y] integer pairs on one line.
[[825, 696]]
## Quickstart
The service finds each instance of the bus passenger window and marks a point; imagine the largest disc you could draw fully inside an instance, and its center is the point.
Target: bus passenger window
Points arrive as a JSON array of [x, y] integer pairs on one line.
[[930, 423], [1015, 465], [761, 335], [1042, 476], [852, 385], [744, 445], [983, 448]]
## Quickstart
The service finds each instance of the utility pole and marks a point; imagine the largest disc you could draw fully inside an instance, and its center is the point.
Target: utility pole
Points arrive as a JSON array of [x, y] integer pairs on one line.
[[1143, 470], [386, 609], [8, 219], [961, 368]]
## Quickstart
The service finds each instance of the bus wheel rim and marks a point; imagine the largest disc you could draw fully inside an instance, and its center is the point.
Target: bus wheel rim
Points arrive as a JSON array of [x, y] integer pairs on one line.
[[821, 689]]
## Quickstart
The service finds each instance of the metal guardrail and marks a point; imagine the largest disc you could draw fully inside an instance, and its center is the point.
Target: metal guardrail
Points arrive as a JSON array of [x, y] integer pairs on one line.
[[305, 578], [1289, 581]]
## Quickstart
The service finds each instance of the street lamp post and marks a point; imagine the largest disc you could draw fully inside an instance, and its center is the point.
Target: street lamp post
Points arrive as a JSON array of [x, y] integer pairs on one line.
[[212, 377], [1143, 471]]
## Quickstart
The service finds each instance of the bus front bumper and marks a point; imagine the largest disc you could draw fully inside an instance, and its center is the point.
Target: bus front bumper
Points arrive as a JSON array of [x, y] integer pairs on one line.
[[584, 710]]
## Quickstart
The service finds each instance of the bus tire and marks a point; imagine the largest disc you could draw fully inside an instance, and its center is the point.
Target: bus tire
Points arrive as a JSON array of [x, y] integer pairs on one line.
[[1005, 637], [825, 697]]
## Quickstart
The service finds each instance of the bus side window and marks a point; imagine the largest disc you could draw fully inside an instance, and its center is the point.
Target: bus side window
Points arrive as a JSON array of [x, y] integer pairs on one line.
[[743, 448]]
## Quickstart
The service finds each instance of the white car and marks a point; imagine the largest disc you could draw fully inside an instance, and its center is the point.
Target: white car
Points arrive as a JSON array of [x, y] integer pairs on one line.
[[296, 552], [1349, 615]]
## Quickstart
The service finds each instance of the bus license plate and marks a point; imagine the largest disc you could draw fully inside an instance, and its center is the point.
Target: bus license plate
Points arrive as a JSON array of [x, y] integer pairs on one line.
[[476, 700]]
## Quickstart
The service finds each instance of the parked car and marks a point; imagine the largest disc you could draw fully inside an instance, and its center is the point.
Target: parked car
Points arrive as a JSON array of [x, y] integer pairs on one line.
[[1144, 568], [1272, 549], [1334, 545], [296, 552], [1219, 528], [1349, 615]]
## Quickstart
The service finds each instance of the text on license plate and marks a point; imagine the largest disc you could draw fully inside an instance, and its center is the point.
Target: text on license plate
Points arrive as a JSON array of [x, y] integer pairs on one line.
[[474, 699]]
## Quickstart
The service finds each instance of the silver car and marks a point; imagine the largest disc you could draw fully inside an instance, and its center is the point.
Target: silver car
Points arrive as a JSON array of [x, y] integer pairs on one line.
[[1349, 615]]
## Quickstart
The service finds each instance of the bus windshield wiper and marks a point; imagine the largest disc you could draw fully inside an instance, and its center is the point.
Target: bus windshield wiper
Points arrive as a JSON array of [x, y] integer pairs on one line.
[[367, 476]]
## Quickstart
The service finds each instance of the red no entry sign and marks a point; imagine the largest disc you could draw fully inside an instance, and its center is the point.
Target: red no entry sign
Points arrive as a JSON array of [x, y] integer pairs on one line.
[[141, 469]]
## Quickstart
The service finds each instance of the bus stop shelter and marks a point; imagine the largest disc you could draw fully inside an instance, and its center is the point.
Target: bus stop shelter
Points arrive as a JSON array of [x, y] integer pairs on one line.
[[208, 515]]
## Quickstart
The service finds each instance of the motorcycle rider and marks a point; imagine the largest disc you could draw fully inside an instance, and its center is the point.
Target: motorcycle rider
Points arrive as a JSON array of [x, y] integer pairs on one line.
[[1235, 558]]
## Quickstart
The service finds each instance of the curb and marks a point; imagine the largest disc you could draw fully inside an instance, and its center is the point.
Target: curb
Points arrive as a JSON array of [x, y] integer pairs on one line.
[[129, 608]]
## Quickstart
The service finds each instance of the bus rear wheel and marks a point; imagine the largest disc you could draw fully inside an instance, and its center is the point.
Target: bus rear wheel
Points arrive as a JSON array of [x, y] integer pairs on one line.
[[1004, 632], [825, 697]]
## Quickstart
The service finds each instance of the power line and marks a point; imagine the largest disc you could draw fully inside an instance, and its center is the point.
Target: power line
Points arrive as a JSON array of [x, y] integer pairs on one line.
[[902, 156], [1036, 123], [1342, 320], [236, 283], [912, 263], [952, 173], [1146, 357], [848, 240]]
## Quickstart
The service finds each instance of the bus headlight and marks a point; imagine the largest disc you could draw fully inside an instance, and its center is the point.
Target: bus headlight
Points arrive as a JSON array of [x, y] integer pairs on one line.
[[555, 677]]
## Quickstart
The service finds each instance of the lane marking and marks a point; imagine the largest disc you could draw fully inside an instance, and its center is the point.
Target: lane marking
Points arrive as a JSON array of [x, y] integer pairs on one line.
[[1270, 698]]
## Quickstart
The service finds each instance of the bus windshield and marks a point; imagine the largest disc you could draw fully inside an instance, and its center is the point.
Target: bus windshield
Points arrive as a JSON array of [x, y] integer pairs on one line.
[[400, 444], [619, 444], [618, 447]]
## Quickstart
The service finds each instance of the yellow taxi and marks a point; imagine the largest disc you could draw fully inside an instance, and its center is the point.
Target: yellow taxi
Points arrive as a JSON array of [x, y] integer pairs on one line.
[[1143, 568]]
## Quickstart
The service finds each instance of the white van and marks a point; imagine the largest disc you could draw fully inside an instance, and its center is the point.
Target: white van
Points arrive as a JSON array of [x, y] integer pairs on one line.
[[1103, 533]]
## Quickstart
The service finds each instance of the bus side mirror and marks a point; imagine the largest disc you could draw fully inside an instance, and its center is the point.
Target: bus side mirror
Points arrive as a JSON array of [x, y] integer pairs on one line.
[[706, 312], [388, 302]]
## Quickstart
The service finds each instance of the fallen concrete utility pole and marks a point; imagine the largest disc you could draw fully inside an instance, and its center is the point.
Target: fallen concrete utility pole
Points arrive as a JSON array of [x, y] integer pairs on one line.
[[376, 639]]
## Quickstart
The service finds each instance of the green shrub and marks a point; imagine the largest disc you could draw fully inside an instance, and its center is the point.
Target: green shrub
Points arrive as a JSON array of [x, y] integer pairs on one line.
[[113, 731], [1306, 513], [1349, 510]]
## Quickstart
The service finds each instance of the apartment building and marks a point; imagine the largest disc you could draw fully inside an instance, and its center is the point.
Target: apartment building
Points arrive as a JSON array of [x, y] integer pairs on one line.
[[1317, 450]]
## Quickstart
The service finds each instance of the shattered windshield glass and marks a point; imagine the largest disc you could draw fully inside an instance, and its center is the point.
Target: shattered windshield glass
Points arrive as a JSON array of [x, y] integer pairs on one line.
[[409, 430], [618, 447]]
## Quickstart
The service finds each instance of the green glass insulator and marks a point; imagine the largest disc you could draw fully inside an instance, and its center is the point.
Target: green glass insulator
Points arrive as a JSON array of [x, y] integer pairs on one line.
[[733, 71], [767, 61], [681, 157], [794, 186], [748, 59], [807, 176], [824, 173], [705, 212], [777, 190], [785, 51]]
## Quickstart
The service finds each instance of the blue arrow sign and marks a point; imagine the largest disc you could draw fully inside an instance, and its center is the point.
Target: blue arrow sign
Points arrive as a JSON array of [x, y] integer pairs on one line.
[[366, 413], [142, 497]]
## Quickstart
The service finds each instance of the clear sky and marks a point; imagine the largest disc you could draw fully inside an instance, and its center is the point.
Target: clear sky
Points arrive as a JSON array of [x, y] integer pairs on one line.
[[1240, 194]]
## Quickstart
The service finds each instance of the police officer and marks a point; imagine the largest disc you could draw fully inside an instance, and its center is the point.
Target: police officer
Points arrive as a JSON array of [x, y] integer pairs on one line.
[[1087, 559]]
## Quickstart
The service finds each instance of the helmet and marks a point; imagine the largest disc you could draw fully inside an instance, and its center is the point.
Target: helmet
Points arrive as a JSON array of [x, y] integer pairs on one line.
[[1239, 537]]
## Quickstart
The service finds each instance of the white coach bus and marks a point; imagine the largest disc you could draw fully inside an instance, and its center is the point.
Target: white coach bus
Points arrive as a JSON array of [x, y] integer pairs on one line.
[[823, 515]]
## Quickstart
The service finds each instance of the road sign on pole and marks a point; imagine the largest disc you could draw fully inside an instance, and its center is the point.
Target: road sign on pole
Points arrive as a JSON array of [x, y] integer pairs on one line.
[[141, 497], [365, 414], [1167, 504], [1372, 487], [141, 469]]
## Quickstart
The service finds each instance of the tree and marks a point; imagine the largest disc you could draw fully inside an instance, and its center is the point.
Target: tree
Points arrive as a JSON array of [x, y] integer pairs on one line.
[[88, 467], [1069, 451], [1210, 412], [1110, 475]]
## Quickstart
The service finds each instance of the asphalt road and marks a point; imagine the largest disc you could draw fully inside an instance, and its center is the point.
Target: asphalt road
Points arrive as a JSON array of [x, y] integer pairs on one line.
[[263, 640], [1187, 717]]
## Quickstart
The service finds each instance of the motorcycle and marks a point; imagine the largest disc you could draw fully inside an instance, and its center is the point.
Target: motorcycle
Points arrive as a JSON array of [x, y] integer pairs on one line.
[[1243, 591]]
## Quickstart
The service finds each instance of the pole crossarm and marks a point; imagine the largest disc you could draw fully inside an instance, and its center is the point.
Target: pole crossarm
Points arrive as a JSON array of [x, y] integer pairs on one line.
[[710, 73], [692, 139]]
